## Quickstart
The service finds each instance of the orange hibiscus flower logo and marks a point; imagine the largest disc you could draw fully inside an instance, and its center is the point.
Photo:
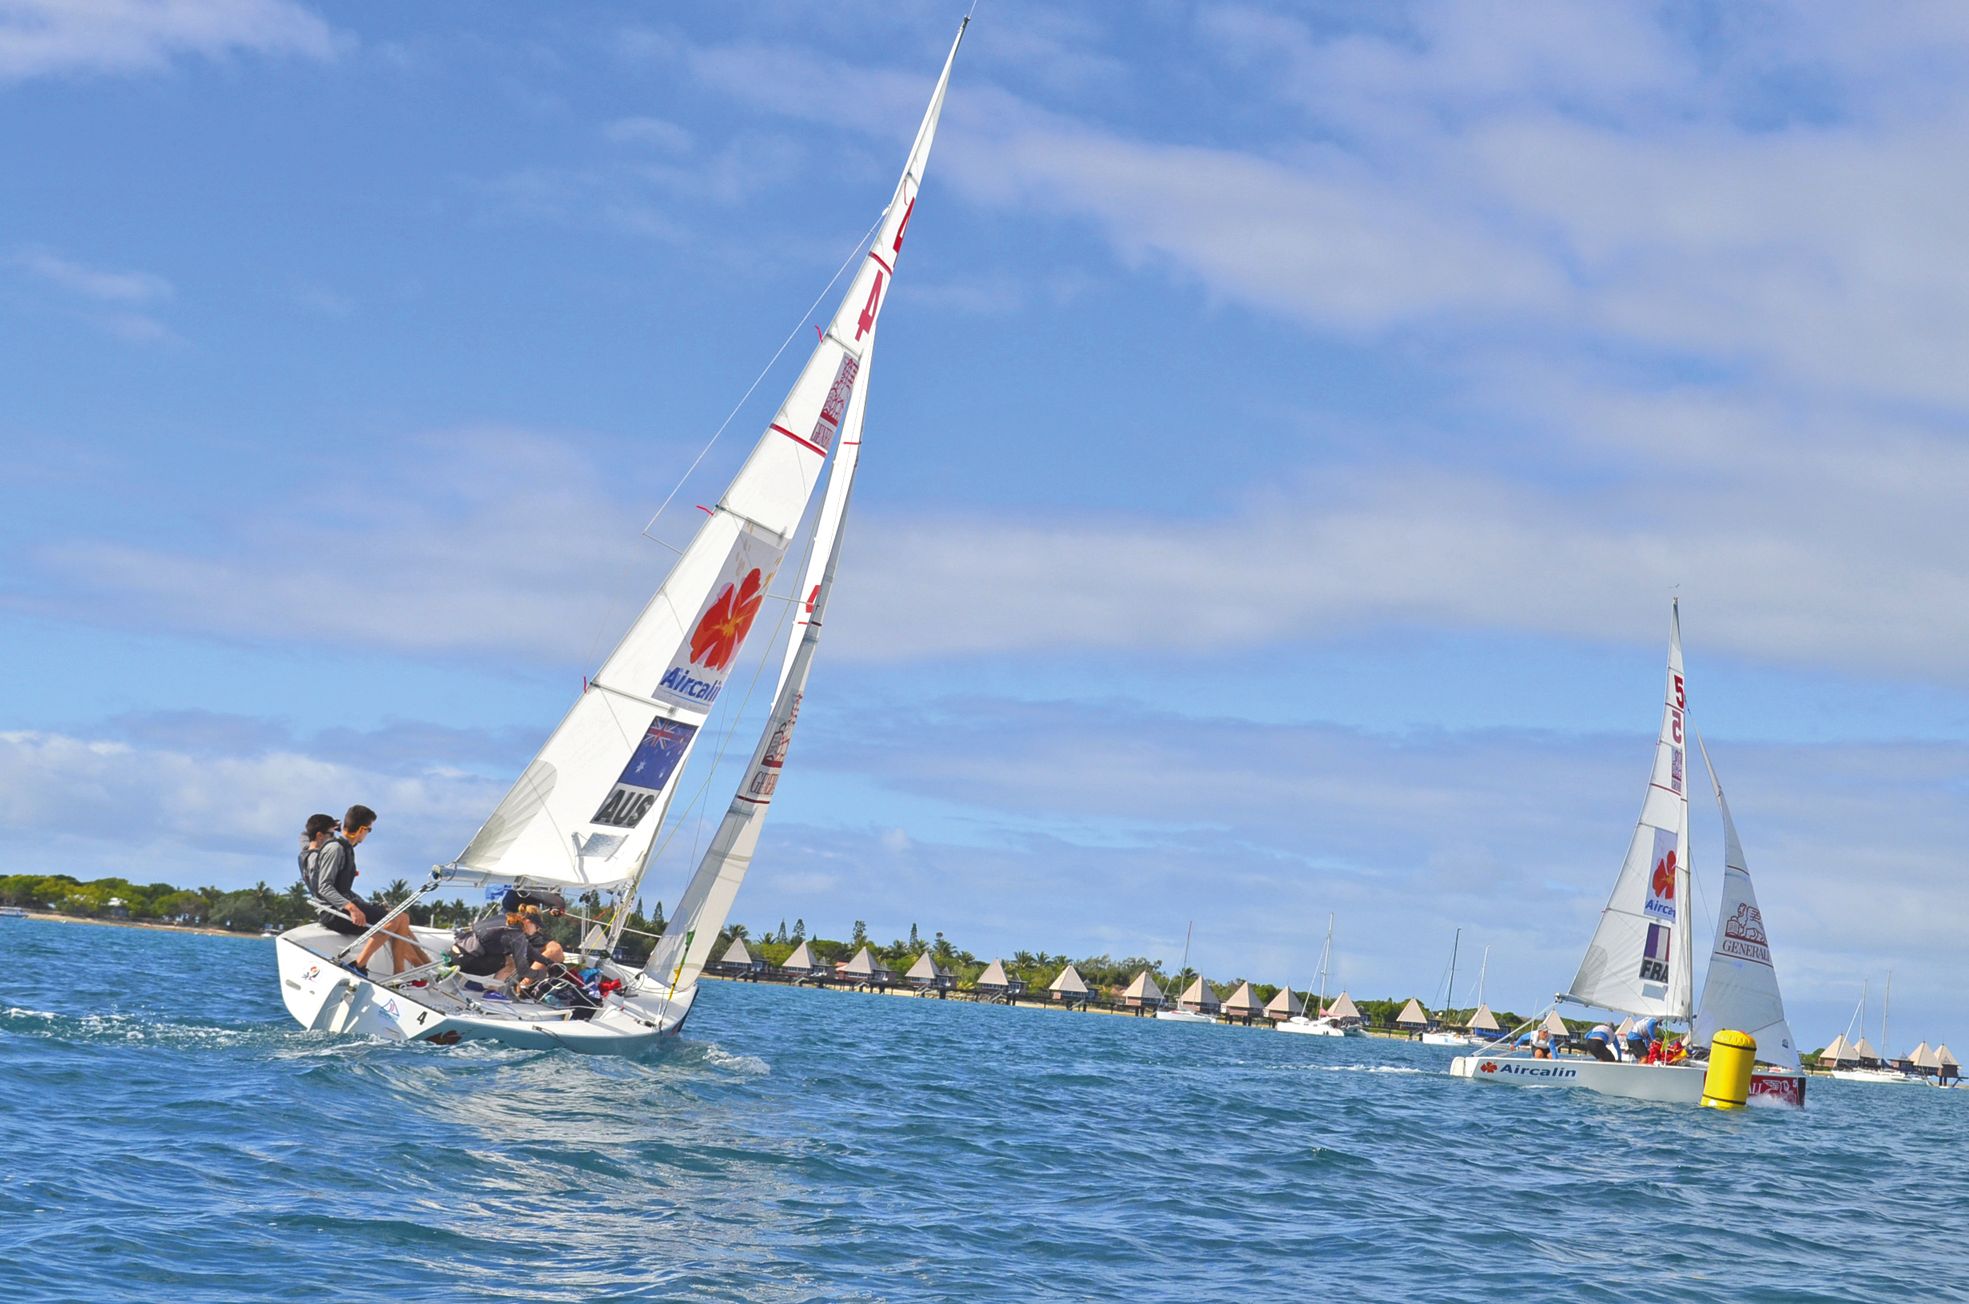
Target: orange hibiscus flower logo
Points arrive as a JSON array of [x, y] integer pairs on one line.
[[1664, 880], [715, 641]]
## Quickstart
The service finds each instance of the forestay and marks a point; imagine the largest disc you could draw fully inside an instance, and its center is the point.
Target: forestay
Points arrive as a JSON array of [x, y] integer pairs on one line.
[[1638, 961], [1741, 991], [584, 813]]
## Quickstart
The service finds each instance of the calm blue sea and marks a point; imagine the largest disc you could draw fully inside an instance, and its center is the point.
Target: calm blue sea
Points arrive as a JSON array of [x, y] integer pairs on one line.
[[167, 1133]]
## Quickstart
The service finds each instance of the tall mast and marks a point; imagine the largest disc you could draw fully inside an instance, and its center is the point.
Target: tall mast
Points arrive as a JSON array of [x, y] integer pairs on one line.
[[1449, 992], [1326, 958]]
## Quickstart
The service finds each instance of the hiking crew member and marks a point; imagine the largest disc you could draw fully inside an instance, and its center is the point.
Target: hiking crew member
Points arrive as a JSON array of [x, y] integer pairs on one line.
[[312, 836], [333, 883], [512, 949]]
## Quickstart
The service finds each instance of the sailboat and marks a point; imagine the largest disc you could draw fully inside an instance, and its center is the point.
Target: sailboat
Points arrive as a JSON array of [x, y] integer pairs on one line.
[[584, 816], [1640, 963], [1320, 1021], [1880, 1072], [1199, 993], [1446, 1035]]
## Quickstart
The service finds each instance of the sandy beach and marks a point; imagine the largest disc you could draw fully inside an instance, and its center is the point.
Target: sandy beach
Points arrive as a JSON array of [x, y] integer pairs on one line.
[[142, 923]]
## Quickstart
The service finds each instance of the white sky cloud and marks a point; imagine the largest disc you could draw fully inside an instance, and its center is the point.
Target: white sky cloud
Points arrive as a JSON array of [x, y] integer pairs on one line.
[[41, 38]]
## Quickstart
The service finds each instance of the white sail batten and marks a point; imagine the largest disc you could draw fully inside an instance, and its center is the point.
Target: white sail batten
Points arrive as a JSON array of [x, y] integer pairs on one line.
[[1638, 961], [586, 810], [1741, 990]]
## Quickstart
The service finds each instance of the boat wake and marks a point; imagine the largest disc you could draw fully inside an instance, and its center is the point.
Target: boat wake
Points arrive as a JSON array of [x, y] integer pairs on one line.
[[132, 1029]]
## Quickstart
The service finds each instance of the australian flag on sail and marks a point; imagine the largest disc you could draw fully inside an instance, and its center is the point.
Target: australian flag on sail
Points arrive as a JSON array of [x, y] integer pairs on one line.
[[656, 758]]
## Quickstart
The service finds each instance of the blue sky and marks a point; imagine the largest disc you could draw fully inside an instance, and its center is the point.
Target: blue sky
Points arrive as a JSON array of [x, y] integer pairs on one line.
[[1291, 424]]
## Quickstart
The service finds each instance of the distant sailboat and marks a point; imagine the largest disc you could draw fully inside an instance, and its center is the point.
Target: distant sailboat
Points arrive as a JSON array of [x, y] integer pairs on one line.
[[1444, 1034], [1639, 961], [1878, 1070], [1199, 996], [1320, 1021], [584, 815]]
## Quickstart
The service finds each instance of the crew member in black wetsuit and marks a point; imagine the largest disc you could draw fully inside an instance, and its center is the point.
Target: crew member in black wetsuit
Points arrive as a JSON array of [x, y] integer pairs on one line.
[[510, 949]]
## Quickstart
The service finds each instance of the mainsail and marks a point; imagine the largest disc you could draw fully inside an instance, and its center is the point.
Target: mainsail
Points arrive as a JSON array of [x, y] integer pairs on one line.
[[1741, 991], [1638, 961], [584, 813], [680, 954]]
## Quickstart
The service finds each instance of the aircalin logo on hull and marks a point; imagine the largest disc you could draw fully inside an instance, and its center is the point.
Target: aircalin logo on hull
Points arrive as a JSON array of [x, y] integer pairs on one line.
[[1509, 1069]]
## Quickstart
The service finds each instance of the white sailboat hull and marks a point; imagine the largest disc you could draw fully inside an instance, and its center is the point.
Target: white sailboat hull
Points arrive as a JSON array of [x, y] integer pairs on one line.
[[1184, 1016], [1451, 1039], [1674, 1084], [1889, 1077], [324, 997], [1306, 1027]]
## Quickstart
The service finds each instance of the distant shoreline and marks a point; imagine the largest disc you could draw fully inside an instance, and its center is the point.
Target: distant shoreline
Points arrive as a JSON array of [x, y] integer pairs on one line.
[[1025, 1003], [54, 917]]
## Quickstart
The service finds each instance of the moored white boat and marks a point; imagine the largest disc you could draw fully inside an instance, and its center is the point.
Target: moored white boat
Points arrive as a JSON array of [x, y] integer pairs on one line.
[[1341, 1020], [1183, 1016], [584, 816], [1854, 1060], [1444, 1034], [1198, 1004], [1883, 1077], [1639, 961]]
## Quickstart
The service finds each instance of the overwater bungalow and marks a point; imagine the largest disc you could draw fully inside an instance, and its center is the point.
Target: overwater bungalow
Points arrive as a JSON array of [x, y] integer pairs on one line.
[[1948, 1070], [1200, 999], [1344, 1012], [864, 971], [1069, 989], [1414, 1018], [1484, 1023], [739, 962], [1839, 1054], [801, 967], [994, 984], [926, 976], [1556, 1026], [1142, 995], [1243, 1005], [1284, 1006]]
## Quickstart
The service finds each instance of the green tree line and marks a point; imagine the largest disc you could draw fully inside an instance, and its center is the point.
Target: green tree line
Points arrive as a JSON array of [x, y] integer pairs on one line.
[[251, 910]]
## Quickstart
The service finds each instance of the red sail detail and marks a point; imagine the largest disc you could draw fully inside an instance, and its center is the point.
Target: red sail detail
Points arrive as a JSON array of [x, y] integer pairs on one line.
[[715, 641]]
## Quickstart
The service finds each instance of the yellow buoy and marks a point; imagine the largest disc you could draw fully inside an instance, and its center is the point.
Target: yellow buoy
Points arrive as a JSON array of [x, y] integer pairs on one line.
[[1732, 1055]]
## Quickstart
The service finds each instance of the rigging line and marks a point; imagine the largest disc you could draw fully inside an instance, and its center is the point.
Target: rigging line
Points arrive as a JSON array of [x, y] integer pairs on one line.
[[854, 258], [789, 605], [662, 844]]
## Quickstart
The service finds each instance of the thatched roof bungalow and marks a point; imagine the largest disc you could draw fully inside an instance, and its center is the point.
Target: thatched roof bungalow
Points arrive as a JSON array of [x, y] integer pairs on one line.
[[995, 984], [1069, 988], [801, 967], [1143, 995], [1243, 1005]]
